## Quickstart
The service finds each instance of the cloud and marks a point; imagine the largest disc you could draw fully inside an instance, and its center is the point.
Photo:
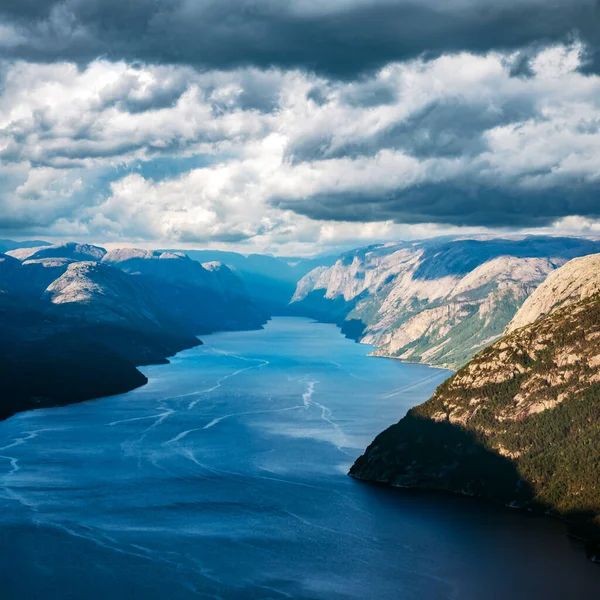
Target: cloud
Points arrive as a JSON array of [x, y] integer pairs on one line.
[[56, 115], [286, 158], [340, 39]]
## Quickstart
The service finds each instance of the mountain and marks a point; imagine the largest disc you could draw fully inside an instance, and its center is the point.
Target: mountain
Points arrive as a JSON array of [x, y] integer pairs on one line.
[[436, 301], [65, 250], [520, 423], [270, 280], [97, 293], [6, 245], [117, 310], [203, 298], [82, 337]]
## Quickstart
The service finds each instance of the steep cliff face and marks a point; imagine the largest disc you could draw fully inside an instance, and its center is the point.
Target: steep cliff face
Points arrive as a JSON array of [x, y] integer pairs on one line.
[[519, 424], [437, 301], [577, 280]]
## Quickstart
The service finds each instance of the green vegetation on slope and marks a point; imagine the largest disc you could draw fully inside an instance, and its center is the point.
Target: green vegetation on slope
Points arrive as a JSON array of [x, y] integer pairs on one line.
[[520, 424]]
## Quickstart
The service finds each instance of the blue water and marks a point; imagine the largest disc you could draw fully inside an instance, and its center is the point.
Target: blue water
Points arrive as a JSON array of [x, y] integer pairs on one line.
[[224, 477]]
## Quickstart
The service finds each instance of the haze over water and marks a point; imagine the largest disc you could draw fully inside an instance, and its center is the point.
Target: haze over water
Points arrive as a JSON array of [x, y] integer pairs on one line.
[[225, 477]]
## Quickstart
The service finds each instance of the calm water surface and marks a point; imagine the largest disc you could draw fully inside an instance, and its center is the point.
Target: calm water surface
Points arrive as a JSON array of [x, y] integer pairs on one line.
[[224, 477]]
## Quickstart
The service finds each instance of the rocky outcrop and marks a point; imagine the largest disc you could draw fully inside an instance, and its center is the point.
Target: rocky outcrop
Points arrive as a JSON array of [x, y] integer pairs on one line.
[[517, 425], [577, 280], [438, 301]]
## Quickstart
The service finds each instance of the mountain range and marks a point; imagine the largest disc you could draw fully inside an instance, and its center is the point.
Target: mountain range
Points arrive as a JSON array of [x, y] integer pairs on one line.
[[518, 423], [76, 320], [435, 301], [270, 280]]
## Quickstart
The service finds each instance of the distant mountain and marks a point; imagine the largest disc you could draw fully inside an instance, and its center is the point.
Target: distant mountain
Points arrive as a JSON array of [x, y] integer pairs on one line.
[[270, 280], [203, 298], [117, 310], [436, 301], [98, 293], [66, 250], [520, 423], [6, 245]]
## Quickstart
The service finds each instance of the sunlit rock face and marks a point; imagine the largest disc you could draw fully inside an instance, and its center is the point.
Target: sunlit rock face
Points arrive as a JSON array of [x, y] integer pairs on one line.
[[577, 280], [438, 301]]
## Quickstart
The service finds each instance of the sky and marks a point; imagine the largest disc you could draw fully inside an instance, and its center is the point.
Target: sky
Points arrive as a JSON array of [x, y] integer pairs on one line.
[[297, 127]]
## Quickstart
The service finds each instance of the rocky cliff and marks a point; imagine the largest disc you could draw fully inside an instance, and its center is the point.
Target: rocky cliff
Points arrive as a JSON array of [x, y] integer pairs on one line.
[[437, 301], [520, 423], [577, 280]]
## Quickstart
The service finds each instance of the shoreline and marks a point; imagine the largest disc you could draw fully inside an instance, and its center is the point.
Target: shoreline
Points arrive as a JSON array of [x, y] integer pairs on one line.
[[86, 371], [376, 348]]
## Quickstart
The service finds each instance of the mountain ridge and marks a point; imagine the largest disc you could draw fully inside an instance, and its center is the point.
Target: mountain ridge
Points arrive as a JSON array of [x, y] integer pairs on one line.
[[75, 323], [434, 301]]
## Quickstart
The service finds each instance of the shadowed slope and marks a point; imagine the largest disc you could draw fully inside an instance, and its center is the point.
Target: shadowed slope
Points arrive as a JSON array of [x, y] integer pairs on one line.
[[526, 409]]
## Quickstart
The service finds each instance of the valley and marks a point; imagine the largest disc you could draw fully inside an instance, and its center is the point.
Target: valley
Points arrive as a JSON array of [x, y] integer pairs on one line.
[[514, 426]]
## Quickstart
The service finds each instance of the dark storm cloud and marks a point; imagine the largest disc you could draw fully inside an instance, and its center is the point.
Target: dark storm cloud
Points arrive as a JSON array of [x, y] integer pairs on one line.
[[340, 39], [455, 203]]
